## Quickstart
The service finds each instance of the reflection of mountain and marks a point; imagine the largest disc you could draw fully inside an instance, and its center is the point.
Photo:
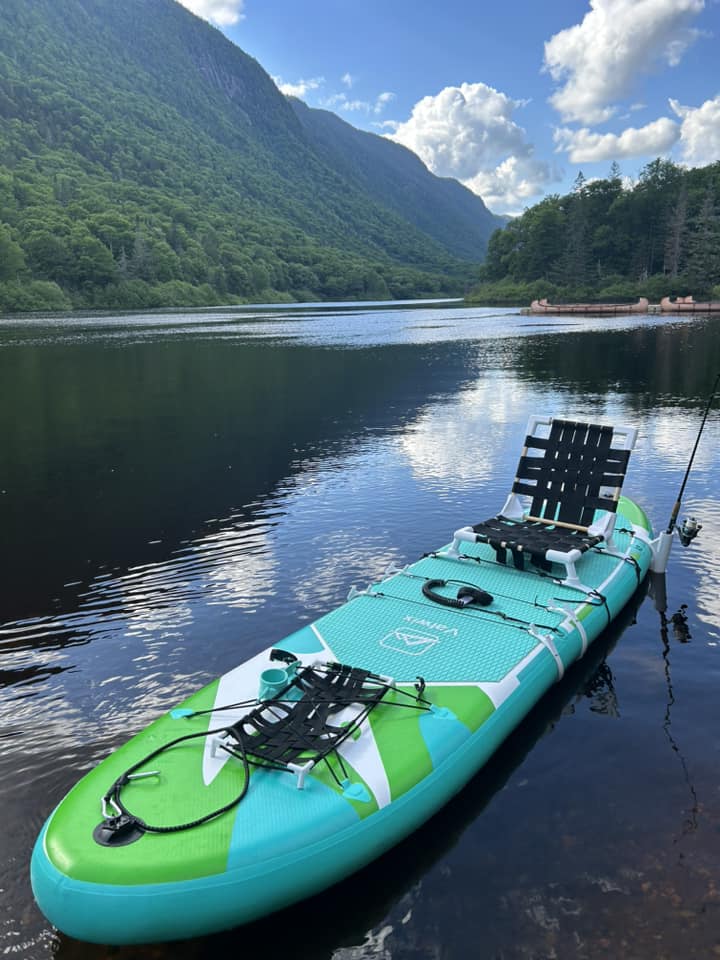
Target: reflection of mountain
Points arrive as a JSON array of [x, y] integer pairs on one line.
[[371, 908], [119, 447]]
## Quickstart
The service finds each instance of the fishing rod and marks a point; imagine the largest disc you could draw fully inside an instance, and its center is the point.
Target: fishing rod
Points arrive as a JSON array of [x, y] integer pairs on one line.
[[693, 526]]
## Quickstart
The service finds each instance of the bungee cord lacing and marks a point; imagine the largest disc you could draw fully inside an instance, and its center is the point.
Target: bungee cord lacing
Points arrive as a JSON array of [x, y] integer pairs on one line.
[[288, 733]]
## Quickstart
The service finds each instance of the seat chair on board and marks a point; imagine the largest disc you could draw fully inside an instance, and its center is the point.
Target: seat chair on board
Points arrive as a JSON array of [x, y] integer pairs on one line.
[[564, 498]]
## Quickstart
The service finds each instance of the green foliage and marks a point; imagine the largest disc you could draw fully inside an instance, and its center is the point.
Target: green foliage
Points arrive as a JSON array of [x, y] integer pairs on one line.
[[142, 155], [604, 242], [40, 295], [12, 258], [137, 294], [511, 292]]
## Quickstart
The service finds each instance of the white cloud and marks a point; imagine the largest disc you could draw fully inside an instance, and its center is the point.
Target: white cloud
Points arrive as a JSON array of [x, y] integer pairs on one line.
[[462, 129], [340, 101], [348, 79], [382, 101], [468, 132], [633, 108], [224, 13], [512, 184], [300, 88], [584, 146], [700, 132], [599, 59]]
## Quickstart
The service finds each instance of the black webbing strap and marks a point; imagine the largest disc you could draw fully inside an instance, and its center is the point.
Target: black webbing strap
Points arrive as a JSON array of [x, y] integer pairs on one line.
[[282, 731], [526, 538], [576, 461]]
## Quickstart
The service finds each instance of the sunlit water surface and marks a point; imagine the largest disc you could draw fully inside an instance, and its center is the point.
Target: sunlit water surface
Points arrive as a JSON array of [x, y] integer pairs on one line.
[[178, 491]]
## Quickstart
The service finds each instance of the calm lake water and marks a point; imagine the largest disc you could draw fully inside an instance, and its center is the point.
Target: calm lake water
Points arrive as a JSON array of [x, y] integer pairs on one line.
[[179, 491]]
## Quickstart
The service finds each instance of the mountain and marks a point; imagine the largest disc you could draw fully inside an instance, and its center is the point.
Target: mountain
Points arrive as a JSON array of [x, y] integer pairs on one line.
[[146, 160], [440, 207]]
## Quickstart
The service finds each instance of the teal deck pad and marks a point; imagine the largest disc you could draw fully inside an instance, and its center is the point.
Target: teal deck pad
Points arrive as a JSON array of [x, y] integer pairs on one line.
[[403, 638]]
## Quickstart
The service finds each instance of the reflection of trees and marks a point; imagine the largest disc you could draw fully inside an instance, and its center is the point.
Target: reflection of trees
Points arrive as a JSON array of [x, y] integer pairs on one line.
[[651, 365], [23, 676]]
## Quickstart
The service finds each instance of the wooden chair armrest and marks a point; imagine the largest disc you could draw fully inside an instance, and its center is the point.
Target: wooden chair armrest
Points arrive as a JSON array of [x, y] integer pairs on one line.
[[557, 523]]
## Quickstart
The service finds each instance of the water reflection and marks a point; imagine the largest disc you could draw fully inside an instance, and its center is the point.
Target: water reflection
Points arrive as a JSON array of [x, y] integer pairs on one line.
[[178, 492], [459, 441], [690, 823]]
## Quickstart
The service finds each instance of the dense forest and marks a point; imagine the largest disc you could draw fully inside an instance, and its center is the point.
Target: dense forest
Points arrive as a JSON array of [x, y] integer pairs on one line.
[[147, 161], [606, 241]]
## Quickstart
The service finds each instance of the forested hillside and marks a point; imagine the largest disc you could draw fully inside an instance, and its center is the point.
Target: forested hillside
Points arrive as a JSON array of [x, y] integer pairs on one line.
[[442, 208], [145, 160], [605, 241]]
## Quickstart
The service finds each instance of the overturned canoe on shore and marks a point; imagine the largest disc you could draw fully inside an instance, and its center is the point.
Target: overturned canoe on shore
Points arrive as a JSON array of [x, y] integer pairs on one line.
[[688, 305], [542, 306]]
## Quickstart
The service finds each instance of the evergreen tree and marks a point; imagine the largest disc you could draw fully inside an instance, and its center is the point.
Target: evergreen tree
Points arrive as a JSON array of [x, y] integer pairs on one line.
[[656, 192], [677, 230], [703, 260], [139, 265], [573, 267]]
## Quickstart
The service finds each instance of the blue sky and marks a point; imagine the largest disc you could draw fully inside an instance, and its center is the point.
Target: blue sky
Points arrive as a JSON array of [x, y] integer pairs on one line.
[[513, 98]]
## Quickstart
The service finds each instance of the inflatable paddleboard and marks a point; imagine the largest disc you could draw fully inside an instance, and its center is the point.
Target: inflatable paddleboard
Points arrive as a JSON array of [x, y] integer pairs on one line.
[[309, 760]]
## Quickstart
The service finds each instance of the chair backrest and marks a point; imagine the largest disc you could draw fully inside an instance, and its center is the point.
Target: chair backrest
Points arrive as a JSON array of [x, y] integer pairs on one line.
[[573, 471]]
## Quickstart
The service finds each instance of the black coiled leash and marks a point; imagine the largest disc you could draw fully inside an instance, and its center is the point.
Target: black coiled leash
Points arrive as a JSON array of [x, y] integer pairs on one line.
[[466, 595]]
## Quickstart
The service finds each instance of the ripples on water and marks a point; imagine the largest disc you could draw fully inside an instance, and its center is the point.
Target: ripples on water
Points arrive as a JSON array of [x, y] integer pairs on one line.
[[342, 325], [263, 461]]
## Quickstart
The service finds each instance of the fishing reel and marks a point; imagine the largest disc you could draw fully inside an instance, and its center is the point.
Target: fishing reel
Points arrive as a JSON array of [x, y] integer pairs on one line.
[[688, 530]]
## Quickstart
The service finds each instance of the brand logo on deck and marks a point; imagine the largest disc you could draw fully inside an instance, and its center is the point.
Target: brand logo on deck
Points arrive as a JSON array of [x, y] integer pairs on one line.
[[409, 642]]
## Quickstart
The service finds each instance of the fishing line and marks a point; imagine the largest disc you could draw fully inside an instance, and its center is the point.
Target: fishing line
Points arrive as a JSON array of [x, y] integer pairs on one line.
[[676, 508]]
